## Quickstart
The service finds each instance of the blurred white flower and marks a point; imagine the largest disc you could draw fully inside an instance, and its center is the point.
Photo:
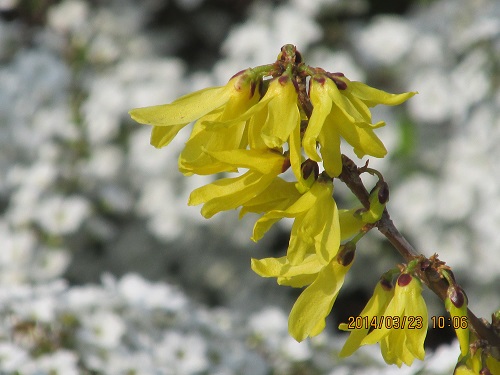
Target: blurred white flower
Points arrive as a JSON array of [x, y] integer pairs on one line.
[[11, 357], [105, 104], [70, 15], [296, 351], [83, 299], [140, 293], [62, 215], [6, 5], [60, 362], [16, 246], [49, 263], [103, 329], [181, 353], [386, 40], [159, 203], [444, 359], [435, 102], [270, 322], [266, 31], [137, 363], [336, 61], [106, 162]]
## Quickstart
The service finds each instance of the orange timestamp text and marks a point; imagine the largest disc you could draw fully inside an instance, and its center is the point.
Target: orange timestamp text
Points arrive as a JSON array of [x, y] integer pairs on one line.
[[383, 321]]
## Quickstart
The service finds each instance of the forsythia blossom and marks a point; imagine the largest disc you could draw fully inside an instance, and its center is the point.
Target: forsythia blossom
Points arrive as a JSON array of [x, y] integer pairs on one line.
[[264, 121], [403, 341]]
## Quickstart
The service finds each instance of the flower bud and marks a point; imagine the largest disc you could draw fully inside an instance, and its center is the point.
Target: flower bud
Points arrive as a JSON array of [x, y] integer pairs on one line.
[[310, 171], [456, 305], [378, 199], [404, 279]]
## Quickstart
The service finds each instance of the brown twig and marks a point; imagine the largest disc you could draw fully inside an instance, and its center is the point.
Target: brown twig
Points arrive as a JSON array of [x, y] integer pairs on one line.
[[429, 275]]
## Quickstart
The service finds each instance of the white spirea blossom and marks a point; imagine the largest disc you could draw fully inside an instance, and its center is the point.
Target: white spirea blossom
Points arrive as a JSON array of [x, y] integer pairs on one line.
[[68, 16], [62, 215]]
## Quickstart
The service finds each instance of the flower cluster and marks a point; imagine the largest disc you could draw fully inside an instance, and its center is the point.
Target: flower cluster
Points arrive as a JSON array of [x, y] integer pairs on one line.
[[402, 334], [265, 120]]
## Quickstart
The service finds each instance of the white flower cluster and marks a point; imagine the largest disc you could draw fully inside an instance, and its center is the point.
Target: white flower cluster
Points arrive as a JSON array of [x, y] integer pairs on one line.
[[82, 192], [132, 326]]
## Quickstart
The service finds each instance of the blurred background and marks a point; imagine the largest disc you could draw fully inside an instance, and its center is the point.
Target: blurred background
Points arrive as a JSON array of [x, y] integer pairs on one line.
[[104, 269]]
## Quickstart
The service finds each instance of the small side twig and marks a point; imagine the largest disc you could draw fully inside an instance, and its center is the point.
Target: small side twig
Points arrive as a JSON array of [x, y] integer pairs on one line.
[[428, 274]]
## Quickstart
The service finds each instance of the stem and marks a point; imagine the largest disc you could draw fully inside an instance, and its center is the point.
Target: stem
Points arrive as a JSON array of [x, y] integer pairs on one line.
[[429, 275]]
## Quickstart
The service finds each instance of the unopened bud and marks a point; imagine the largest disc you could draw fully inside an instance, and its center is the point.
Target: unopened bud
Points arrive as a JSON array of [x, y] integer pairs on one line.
[[386, 284], [346, 254], [335, 77], [383, 193], [404, 279], [456, 296], [308, 167]]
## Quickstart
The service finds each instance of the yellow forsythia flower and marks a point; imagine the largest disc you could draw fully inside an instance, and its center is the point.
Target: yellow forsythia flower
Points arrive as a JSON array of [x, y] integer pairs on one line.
[[229, 193], [372, 313], [307, 318], [475, 363], [341, 110], [263, 120], [316, 225], [227, 101], [405, 343]]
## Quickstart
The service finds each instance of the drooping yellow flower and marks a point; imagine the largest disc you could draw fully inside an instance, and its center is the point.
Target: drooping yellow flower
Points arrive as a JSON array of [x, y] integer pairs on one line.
[[404, 342], [280, 105], [229, 193], [372, 313], [308, 314], [476, 363], [279, 195], [195, 157], [344, 113], [273, 121], [227, 101], [316, 223]]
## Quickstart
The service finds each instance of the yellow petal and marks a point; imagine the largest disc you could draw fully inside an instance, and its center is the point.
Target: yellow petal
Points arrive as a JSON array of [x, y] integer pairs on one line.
[[263, 161], [320, 225], [284, 115], [298, 207], [322, 104], [281, 267], [329, 140], [362, 138], [493, 364], [308, 314], [415, 336], [279, 195], [299, 245], [341, 102], [360, 106], [350, 223], [255, 125], [295, 153], [183, 110], [298, 281], [195, 159], [372, 96], [229, 193], [374, 308], [161, 136], [459, 315]]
